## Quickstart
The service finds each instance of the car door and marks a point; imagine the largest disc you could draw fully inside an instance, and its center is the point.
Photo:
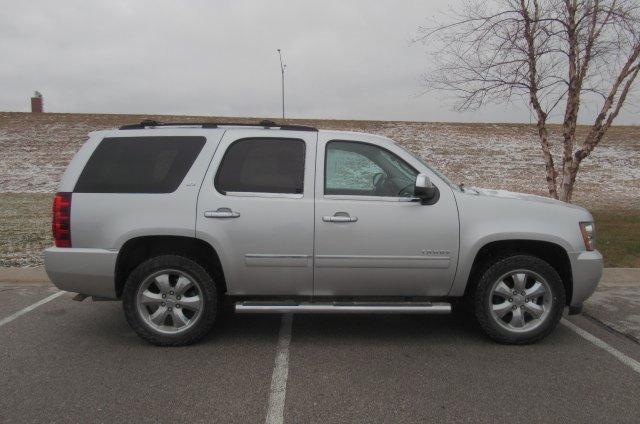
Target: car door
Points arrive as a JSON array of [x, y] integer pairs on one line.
[[255, 208], [370, 239]]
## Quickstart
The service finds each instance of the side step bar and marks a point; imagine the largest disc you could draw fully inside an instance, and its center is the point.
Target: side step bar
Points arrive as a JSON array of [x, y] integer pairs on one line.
[[252, 307]]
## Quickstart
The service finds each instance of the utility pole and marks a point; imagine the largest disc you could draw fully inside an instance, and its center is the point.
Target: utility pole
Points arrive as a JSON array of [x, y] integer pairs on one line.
[[282, 68]]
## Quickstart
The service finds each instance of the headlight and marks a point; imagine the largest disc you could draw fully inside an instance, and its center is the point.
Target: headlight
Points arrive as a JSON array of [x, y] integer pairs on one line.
[[588, 230]]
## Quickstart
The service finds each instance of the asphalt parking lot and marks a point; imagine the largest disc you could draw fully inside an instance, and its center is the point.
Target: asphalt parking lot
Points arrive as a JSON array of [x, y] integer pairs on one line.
[[67, 361]]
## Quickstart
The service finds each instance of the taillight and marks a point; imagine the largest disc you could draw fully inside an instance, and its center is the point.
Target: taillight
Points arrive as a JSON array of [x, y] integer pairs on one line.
[[61, 223]]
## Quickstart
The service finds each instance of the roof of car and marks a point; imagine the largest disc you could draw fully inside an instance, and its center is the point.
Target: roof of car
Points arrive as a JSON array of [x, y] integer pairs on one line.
[[130, 129], [148, 124]]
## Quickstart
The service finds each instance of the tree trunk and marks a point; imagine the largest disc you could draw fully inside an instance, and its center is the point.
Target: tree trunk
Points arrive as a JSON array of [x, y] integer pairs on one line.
[[558, 53], [568, 181], [548, 158]]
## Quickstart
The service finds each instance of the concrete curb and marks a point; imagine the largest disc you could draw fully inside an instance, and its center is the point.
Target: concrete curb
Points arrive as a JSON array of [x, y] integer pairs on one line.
[[23, 275], [620, 276], [610, 277]]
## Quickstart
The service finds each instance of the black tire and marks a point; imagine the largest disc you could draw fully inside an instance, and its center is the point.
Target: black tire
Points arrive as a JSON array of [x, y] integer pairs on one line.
[[483, 299], [206, 284]]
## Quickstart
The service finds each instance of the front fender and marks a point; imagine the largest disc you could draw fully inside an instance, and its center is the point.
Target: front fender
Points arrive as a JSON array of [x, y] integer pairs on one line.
[[486, 219], [469, 254]]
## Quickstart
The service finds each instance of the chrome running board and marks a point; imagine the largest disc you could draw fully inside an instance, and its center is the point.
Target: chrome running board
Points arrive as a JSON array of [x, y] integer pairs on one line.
[[343, 307]]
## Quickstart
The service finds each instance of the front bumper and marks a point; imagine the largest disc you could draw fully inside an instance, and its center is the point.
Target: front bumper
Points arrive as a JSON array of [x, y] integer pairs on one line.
[[85, 271], [586, 268]]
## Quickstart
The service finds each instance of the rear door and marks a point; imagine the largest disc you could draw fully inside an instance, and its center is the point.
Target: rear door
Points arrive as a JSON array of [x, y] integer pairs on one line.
[[256, 208]]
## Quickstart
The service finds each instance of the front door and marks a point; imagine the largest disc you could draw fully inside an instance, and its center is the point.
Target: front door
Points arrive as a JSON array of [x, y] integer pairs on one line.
[[369, 238], [255, 208]]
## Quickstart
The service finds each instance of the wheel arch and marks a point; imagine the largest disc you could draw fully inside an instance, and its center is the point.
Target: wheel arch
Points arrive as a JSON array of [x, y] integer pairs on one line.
[[138, 249], [552, 253]]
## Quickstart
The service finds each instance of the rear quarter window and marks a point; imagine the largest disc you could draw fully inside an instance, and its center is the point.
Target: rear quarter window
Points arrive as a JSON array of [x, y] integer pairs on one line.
[[139, 164]]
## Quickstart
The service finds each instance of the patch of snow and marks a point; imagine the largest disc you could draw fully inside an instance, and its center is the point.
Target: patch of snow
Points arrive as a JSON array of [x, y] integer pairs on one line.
[[36, 151]]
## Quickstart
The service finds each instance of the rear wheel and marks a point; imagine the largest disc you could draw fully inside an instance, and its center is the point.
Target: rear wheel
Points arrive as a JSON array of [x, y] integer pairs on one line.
[[170, 300], [519, 299]]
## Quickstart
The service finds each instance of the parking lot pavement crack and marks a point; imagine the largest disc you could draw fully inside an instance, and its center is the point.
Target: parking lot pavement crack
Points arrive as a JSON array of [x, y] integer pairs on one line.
[[12, 288], [611, 328]]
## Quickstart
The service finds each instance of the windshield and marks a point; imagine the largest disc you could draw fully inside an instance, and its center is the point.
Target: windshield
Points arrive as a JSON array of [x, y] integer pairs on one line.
[[432, 169]]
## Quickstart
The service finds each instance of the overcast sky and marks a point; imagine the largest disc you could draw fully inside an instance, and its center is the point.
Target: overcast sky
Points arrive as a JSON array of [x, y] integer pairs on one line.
[[349, 59]]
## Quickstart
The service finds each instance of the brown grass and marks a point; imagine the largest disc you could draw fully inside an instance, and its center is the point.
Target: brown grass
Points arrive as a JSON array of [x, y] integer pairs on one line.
[[25, 231], [37, 147], [618, 237]]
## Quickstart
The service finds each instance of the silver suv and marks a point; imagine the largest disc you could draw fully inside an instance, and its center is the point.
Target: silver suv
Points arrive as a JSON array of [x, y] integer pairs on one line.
[[182, 221]]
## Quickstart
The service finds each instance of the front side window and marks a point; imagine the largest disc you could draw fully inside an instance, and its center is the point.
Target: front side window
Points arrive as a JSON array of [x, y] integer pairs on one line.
[[262, 165], [361, 169], [139, 164]]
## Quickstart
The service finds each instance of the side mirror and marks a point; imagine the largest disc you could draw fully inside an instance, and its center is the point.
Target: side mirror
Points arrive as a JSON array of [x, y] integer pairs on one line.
[[425, 190]]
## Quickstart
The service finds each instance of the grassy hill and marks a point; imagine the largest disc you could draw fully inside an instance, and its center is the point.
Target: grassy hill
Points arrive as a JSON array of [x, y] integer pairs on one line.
[[37, 148]]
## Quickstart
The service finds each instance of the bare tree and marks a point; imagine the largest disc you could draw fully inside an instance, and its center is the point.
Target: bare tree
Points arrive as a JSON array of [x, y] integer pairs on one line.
[[552, 54]]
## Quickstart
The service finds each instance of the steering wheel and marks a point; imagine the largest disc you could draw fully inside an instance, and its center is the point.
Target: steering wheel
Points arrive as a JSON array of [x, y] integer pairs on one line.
[[379, 182]]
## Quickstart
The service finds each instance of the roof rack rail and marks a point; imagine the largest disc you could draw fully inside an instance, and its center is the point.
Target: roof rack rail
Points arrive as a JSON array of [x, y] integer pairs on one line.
[[151, 123], [264, 123]]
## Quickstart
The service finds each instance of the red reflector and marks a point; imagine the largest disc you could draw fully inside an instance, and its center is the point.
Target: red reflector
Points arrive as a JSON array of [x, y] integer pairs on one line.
[[61, 222]]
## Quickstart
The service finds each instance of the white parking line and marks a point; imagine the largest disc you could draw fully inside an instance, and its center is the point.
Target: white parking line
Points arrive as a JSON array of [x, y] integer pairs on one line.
[[21, 312], [635, 365], [275, 412]]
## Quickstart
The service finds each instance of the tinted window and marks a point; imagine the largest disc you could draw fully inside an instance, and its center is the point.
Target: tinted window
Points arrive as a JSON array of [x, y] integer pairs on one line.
[[262, 165], [139, 164], [361, 169]]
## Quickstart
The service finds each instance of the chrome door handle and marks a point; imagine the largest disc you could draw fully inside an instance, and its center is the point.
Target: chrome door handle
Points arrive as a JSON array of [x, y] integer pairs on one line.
[[340, 217], [221, 213]]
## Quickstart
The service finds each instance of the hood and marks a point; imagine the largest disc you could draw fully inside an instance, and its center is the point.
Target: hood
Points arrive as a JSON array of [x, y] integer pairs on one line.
[[504, 194]]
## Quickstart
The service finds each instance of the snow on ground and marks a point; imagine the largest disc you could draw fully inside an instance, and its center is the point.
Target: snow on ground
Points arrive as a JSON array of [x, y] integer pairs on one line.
[[37, 148], [508, 157]]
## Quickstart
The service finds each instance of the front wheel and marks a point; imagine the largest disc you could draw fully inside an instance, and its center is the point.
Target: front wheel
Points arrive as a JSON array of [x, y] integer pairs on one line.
[[519, 300], [170, 300]]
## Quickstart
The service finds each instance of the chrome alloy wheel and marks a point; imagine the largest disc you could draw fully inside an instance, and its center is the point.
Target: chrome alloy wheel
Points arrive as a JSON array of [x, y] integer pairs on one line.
[[521, 300], [170, 301]]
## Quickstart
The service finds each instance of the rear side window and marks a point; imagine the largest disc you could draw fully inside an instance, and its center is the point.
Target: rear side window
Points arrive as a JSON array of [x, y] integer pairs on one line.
[[262, 165], [139, 164]]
